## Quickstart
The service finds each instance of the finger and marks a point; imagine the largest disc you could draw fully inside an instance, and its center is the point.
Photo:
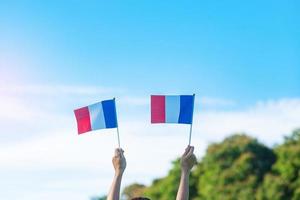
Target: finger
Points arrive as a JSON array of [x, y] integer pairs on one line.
[[117, 152], [190, 152], [194, 158], [186, 150], [122, 152]]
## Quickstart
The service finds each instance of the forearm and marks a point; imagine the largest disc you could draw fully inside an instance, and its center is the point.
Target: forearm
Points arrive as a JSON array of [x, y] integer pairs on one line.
[[183, 190], [114, 193]]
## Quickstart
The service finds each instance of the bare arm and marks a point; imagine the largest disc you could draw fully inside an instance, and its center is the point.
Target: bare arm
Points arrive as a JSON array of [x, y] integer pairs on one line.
[[188, 160], [119, 163]]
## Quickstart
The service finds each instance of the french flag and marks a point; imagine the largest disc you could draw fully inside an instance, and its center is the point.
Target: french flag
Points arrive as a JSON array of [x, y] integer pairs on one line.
[[172, 109], [100, 115]]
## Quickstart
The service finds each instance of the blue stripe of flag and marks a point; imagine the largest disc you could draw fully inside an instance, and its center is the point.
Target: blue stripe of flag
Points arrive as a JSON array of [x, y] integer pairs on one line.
[[110, 115], [186, 109]]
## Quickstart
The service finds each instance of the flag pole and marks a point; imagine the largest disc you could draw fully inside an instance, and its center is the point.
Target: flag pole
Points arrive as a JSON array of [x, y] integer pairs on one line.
[[190, 137], [119, 145], [118, 137], [191, 126]]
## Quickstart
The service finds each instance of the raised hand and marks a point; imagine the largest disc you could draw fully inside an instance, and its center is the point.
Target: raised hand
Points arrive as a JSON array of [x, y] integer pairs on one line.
[[188, 159], [119, 161]]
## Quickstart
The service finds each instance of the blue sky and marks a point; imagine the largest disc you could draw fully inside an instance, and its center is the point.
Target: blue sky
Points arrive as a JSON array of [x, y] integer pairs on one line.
[[244, 51], [240, 58]]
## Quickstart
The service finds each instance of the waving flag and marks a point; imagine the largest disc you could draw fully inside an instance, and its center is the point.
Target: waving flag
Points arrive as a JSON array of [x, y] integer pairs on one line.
[[172, 109], [96, 116]]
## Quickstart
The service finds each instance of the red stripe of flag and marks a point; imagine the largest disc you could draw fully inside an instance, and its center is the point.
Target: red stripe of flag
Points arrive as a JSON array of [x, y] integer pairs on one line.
[[158, 111], [83, 120]]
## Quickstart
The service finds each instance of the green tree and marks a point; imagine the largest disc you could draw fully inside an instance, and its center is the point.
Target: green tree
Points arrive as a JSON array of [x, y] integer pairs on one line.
[[233, 169], [283, 182], [134, 190], [237, 168], [166, 188]]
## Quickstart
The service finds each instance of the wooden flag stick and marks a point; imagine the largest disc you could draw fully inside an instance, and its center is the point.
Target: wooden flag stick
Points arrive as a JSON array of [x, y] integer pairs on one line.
[[118, 134], [118, 137], [190, 137], [191, 127]]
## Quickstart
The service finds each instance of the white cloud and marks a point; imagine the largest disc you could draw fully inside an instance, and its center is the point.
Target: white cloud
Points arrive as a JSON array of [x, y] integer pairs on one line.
[[268, 121]]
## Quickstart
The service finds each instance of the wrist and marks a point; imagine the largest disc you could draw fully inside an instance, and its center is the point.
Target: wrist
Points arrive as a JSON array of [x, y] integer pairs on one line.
[[185, 171], [119, 173]]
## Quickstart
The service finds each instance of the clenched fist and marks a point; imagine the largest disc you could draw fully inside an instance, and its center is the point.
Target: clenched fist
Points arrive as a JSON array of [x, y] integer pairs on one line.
[[188, 159], [119, 161]]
